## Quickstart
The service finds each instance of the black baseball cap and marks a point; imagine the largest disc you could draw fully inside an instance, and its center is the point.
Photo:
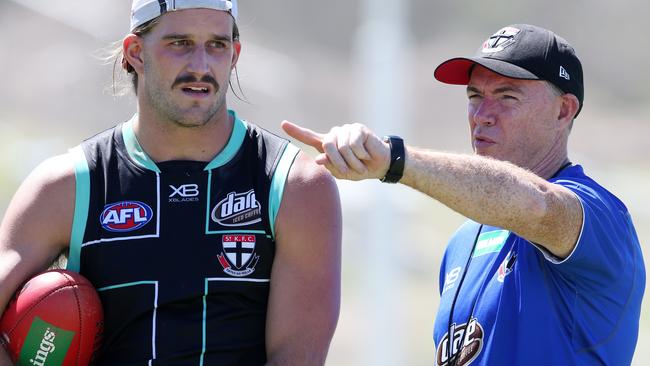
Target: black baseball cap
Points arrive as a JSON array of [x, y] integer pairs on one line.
[[521, 51]]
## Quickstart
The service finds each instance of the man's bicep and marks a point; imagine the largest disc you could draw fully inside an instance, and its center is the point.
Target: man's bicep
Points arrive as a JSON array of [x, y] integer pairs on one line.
[[36, 226], [606, 238], [305, 283], [556, 227]]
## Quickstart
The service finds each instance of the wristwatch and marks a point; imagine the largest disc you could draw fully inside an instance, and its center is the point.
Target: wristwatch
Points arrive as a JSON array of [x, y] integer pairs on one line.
[[397, 159]]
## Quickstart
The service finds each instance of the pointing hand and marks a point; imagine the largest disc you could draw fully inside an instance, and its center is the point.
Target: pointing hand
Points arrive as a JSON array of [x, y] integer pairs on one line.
[[350, 151]]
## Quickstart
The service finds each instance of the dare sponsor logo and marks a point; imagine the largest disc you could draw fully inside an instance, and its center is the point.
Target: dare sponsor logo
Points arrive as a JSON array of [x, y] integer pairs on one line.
[[237, 209], [125, 216], [466, 344]]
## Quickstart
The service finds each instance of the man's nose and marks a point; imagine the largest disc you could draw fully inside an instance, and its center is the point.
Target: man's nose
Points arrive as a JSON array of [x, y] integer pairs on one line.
[[484, 113], [199, 62]]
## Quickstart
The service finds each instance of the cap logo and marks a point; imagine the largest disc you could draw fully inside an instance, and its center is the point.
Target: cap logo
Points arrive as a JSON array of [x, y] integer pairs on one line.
[[564, 74], [500, 40]]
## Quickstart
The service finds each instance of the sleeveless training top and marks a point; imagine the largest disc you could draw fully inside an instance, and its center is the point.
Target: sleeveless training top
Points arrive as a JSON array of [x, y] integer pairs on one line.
[[180, 251]]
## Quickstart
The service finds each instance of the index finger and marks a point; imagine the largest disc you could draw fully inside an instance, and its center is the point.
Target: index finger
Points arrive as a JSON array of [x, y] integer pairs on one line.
[[304, 135]]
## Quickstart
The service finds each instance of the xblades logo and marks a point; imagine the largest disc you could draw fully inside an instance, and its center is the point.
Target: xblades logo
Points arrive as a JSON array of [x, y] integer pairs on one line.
[[184, 193], [237, 209], [450, 278]]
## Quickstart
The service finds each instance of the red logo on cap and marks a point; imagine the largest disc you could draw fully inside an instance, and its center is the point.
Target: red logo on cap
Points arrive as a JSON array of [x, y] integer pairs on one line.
[[500, 40]]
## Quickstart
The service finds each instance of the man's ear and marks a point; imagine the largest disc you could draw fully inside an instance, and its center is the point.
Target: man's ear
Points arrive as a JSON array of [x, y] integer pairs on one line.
[[236, 46], [132, 48], [568, 108]]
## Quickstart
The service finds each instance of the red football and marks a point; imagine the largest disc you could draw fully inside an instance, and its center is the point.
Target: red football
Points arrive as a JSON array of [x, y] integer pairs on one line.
[[55, 319]]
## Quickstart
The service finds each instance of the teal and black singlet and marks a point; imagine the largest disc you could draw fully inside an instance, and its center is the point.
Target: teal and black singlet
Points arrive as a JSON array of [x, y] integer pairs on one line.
[[180, 251]]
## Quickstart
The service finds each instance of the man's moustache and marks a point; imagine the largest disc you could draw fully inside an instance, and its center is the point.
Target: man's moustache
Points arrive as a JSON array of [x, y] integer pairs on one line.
[[192, 79]]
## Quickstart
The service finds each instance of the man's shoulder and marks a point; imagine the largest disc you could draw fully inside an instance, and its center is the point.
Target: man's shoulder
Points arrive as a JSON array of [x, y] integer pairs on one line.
[[54, 171], [49, 188], [305, 170], [587, 188], [310, 192], [309, 183]]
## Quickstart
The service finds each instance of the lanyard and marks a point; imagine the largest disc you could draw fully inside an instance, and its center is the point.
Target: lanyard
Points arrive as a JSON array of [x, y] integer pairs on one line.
[[453, 358]]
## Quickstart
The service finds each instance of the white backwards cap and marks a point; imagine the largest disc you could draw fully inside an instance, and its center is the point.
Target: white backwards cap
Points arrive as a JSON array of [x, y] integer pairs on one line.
[[143, 11]]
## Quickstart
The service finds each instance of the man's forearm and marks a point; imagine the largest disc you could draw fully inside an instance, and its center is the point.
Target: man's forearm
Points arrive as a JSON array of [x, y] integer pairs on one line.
[[483, 189], [499, 194]]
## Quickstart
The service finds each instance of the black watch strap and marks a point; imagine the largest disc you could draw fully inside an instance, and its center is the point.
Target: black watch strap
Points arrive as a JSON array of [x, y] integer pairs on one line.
[[397, 159]]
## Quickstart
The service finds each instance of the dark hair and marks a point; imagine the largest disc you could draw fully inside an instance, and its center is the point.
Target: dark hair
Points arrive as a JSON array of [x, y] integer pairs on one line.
[[116, 55]]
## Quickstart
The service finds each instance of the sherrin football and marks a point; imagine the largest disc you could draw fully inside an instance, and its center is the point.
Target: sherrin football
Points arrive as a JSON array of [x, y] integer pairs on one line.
[[56, 318]]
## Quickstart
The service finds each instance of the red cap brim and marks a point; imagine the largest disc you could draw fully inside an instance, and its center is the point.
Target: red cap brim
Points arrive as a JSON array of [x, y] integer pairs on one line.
[[454, 71], [457, 70]]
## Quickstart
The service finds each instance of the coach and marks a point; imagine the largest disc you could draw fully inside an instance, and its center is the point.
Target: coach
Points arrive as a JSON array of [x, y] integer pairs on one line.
[[548, 269]]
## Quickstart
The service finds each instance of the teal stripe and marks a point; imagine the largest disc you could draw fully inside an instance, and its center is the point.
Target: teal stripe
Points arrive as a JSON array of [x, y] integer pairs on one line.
[[204, 332], [278, 182], [207, 204], [234, 143], [82, 202], [138, 154], [134, 148], [129, 284]]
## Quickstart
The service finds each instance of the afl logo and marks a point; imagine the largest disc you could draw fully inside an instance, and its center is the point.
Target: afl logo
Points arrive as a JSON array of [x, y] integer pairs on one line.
[[125, 216]]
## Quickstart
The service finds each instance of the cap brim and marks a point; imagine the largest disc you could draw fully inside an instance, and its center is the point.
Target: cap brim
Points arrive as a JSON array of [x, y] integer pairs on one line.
[[457, 70]]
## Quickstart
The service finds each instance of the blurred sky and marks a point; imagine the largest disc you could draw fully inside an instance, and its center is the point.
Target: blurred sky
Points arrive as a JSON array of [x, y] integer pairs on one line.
[[311, 62]]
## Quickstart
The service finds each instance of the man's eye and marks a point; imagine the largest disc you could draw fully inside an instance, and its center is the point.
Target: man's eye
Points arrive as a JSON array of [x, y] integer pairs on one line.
[[181, 43], [217, 44]]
